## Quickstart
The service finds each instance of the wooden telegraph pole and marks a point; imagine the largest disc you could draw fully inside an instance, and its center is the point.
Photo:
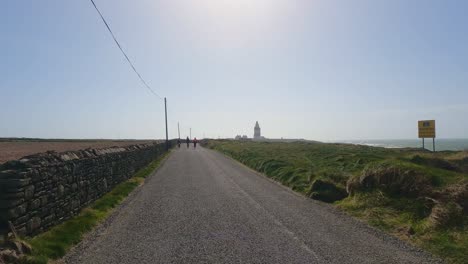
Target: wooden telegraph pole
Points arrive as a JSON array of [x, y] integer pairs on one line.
[[167, 135]]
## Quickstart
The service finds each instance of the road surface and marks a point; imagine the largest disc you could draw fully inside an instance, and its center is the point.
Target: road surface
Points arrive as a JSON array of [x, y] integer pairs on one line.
[[201, 207]]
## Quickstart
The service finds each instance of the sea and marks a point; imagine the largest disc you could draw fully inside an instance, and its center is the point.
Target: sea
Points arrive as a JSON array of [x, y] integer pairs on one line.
[[440, 144]]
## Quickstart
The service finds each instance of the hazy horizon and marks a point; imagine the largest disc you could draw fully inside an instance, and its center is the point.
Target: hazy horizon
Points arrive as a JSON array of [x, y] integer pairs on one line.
[[309, 139], [318, 70]]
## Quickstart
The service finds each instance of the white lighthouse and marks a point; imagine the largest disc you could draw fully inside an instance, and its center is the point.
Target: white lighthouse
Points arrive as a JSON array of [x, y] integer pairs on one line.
[[257, 133]]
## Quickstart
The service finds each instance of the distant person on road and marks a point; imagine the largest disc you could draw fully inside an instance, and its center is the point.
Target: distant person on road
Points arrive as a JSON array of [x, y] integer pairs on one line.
[[178, 142], [195, 142], [188, 141]]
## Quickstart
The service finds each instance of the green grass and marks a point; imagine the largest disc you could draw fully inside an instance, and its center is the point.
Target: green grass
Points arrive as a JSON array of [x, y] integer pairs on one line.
[[296, 164], [399, 215], [402, 214], [54, 243]]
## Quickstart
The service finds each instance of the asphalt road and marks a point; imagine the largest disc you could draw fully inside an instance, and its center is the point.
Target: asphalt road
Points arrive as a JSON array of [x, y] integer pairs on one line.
[[201, 207]]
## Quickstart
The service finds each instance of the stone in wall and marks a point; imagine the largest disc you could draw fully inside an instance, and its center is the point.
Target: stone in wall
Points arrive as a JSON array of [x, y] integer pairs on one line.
[[42, 190]]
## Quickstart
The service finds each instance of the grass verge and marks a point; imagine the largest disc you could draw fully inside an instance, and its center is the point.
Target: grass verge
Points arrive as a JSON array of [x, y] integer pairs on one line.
[[54, 243], [413, 194], [407, 220]]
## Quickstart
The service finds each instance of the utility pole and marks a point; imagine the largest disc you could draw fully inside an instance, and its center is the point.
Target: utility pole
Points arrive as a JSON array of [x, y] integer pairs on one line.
[[167, 135], [178, 129]]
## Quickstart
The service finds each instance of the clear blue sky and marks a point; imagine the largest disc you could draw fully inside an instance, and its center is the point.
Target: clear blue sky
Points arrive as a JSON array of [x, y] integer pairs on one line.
[[326, 70]]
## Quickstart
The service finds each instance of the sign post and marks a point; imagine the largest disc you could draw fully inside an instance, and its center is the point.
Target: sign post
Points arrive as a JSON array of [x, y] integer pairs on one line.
[[426, 129]]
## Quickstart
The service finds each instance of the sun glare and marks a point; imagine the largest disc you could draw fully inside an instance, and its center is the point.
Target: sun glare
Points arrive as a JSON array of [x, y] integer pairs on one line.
[[236, 8], [232, 22]]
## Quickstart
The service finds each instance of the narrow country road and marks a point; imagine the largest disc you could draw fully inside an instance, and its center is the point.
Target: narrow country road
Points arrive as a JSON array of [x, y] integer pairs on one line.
[[201, 207]]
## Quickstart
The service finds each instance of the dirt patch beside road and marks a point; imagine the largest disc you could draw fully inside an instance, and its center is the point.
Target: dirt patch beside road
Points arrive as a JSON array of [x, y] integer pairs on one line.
[[16, 149]]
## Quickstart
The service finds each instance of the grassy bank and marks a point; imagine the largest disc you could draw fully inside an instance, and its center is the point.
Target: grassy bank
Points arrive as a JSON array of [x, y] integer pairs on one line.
[[416, 195], [54, 243]]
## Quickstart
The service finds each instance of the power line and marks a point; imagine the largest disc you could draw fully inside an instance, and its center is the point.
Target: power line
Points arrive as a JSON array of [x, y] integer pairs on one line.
[[123, 52]]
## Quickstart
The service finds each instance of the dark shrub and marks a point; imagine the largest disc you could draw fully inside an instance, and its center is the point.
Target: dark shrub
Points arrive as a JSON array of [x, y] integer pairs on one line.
[[326, 191]]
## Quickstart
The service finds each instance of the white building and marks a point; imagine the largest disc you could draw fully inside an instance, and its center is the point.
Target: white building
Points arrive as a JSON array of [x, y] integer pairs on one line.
[[257, 131]]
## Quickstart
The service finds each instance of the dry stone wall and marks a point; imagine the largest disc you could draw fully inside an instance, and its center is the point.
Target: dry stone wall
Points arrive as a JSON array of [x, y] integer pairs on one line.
[[42, 190]]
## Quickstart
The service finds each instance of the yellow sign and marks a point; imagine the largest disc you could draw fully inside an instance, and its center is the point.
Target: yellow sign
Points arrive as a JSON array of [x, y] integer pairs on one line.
[[426, 129]]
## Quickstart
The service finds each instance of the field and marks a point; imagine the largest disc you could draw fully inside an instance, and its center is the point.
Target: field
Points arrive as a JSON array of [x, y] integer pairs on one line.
[[12, 149], [416, 195]]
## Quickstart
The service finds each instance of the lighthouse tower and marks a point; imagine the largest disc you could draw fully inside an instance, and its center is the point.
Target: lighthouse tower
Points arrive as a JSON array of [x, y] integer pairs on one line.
[[257, 134]]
